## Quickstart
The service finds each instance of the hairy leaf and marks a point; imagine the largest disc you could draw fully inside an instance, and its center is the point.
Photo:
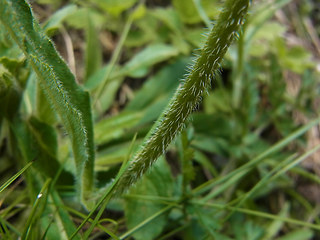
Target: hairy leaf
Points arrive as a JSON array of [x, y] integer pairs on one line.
[[138, 209], [67, 98]]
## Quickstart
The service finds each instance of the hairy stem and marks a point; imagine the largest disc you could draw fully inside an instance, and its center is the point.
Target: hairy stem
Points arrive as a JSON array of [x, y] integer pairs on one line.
[[189, 93]]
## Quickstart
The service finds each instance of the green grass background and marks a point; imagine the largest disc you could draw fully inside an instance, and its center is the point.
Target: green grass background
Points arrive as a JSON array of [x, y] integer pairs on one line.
[[245, 166]]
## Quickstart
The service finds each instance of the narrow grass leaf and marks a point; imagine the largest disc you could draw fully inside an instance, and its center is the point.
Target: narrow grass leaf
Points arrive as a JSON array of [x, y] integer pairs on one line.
[[272, 175], [276, 147], [260, 214], [115, 127], [62, 217], [273, 229], [93, 54], [298, 234], [4, 231], [140, 64], [36, 210], [13, 229], [14, 177], [102, 203]]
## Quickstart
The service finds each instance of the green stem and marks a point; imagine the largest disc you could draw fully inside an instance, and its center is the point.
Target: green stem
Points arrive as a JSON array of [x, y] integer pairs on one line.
[[259, 214], [114, 58], [116, 53], [189, 94], [149, 219]]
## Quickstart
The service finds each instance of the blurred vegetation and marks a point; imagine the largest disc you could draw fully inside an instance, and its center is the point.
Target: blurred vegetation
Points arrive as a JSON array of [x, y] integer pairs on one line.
[[245, 167]]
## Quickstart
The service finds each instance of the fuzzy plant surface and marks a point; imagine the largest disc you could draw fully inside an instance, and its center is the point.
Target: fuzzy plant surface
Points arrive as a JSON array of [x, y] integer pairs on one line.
[[189, 94], [67, 99]]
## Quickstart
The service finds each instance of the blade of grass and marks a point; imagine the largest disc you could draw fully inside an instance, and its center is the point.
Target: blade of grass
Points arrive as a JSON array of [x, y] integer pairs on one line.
[[14, 177], [83, 216], [4, 231], [12, 208], [106, 197], [146, 221], [259, 214], [115, 56], [13, 228], [275, 173], [304, 173], [249, 165], [62, 216], [42, 196], [265, 179], [295, 162], [276, 225], [102, 202], [173, 232]]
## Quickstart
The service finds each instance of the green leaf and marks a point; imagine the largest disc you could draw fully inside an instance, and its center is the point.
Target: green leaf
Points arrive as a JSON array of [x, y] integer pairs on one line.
[[13, 178], [75, 18], [67, 98], [7, 46], [208, 219], [97, 78], [263, 39], [115, 127], [137, 208], [10, 95], [13, 76], [188, 12], [186, 155], [43, 107], [37, 210], [157, 87], [63, 221], [114, 7], [93, 56], [170, 18], [297, 58], [299, 234], [145, 31], [140, 64], [57, 18], [276, 225]]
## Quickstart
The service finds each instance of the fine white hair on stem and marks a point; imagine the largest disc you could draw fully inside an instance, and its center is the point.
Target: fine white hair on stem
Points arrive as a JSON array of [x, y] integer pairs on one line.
[[197, 81]]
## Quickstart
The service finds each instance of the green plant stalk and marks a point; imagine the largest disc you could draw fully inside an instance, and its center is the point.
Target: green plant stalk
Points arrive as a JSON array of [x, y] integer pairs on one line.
[[189, 94]]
